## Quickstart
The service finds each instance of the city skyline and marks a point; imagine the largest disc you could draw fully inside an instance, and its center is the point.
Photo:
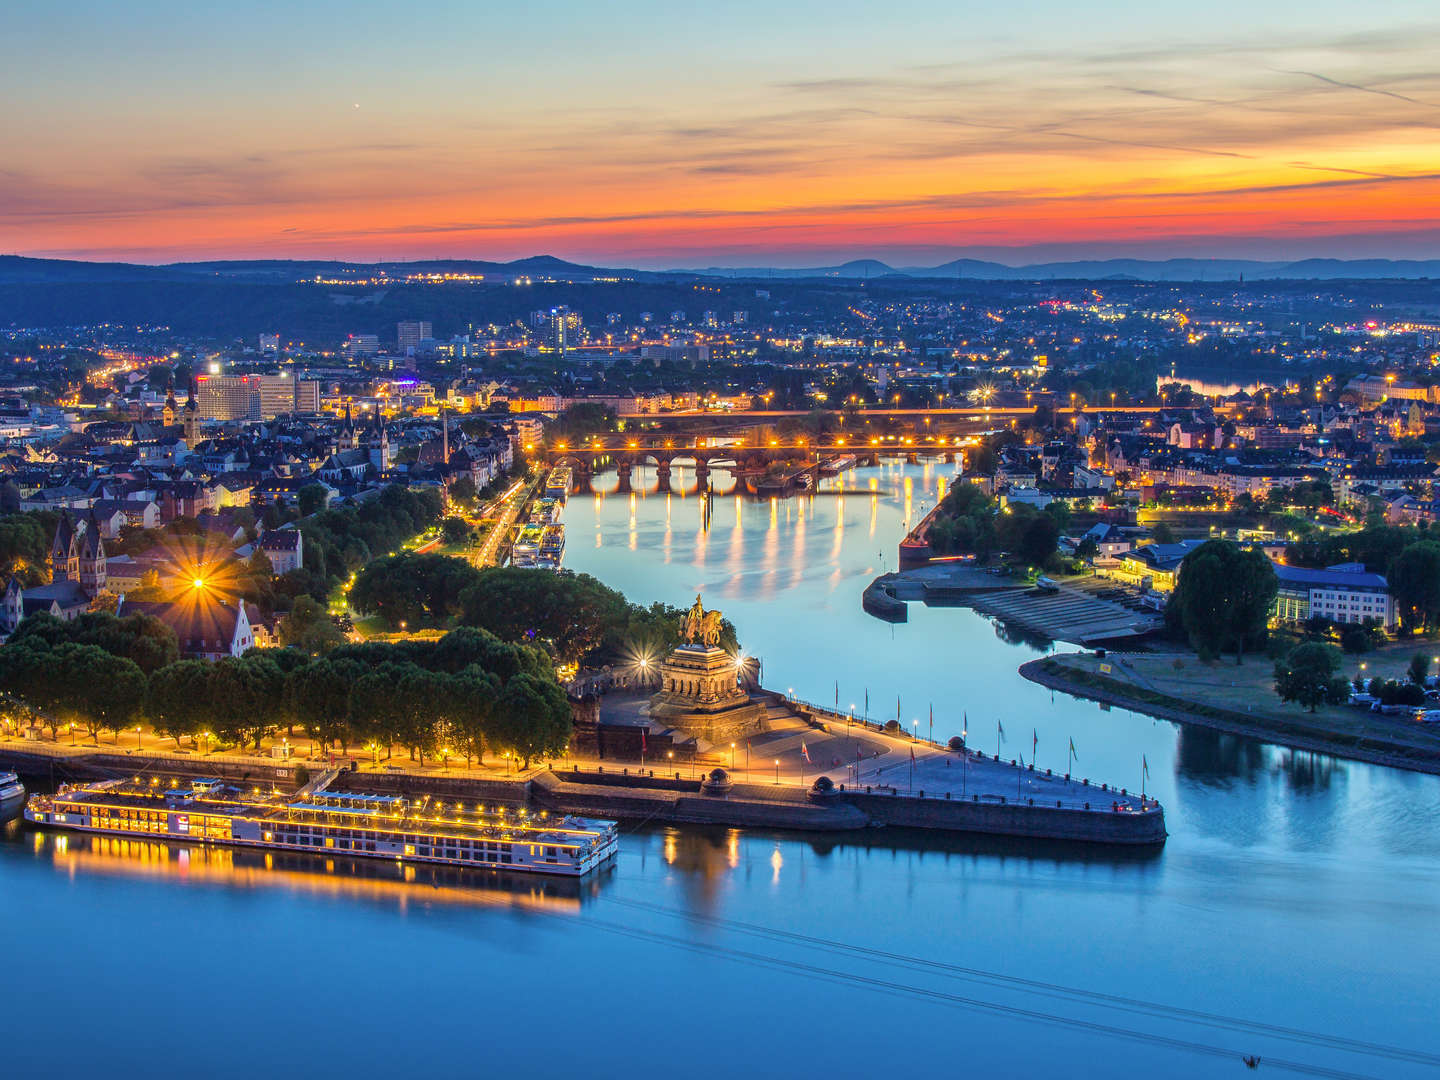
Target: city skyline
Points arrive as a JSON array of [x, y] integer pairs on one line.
[[650, 138]]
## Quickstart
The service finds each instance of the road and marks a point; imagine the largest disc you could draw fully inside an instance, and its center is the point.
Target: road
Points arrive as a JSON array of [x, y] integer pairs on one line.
[[511, 504]]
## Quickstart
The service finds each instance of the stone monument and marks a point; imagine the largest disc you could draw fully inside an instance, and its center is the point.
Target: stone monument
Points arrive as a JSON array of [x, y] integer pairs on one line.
[[700, 690]]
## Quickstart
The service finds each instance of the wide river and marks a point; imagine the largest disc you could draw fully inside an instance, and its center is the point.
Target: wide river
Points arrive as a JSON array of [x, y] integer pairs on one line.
[[1296, 892]]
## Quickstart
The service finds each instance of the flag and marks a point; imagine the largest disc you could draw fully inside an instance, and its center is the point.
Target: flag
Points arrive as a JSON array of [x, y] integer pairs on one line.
[[1145, 765], [897, 708], [867, 701], [642, 741], [837, 693], [805, 752], [912, 755], [1001, 729], [1034, 743], [1072, 752]]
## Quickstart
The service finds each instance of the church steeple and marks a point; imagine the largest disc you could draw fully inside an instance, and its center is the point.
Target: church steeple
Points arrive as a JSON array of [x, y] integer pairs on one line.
[[168, 414], [192, 418]]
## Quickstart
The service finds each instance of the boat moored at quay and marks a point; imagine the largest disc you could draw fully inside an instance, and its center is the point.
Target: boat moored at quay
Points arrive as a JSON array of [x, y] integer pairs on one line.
[[12, 794], [426, 830]]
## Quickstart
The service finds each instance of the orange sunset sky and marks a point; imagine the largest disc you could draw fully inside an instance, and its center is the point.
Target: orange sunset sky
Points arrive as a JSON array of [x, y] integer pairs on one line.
[[680, 135]]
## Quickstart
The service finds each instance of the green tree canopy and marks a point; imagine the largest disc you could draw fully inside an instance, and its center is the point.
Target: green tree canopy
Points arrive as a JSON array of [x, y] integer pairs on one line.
[[1223, 596], [1309, 675]]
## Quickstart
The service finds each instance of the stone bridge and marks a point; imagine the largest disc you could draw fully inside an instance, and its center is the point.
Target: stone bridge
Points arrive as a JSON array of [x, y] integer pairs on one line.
[[752, 462]]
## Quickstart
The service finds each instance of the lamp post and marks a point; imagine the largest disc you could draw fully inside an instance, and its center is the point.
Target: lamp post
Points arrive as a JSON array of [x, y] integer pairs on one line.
[[137, 736], [777, 770]]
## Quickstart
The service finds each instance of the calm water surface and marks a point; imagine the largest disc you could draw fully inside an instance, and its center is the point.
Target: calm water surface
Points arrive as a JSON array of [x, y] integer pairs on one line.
[[1295, 890]]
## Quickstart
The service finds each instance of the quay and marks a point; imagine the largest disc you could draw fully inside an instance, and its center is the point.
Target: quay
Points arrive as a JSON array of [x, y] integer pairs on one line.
[[949, 791]]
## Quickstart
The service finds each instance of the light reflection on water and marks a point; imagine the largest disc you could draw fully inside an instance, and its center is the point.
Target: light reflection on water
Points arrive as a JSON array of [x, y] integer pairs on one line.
[[1295, 888]]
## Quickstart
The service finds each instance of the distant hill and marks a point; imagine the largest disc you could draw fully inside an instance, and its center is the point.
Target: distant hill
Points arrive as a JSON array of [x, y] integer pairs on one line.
[[1109, 269], [19, 270]]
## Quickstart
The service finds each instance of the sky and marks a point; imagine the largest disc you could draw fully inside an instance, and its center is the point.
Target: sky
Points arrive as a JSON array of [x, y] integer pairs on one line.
[[784, 133]]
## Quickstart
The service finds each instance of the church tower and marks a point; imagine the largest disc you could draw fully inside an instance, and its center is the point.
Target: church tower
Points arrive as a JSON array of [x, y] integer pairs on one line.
[[171, 410], [349, 437], [192, 418], [65, 551], [92, 558]]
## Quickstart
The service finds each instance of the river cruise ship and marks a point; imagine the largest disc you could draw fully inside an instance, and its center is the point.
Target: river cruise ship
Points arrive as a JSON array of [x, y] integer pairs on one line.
[[12, 794], [330, 822], [557, 483]]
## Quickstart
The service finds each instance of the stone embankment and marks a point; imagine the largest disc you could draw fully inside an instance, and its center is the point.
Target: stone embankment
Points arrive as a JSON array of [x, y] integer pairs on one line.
[[1113, 818]]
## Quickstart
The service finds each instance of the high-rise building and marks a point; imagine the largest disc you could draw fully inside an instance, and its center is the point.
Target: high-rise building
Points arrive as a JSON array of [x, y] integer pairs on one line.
[[562, 328], [270, 344], [228, 397], [409, 334], [362, 345]]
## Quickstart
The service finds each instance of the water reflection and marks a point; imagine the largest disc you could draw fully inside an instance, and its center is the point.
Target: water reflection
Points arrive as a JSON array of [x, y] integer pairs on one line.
[[377, 881]]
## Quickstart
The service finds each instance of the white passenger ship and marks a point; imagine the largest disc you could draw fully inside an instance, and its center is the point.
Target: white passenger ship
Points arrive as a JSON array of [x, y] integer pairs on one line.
[[12, 793], [334, 822]]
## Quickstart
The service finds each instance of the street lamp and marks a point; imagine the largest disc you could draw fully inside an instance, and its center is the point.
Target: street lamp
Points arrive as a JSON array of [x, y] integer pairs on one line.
[[137, 736], [777, 770]]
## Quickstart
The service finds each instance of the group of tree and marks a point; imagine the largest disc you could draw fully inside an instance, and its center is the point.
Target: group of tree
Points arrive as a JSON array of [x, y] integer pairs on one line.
[[25, 545], [967, 522], [573, 617], [413, 589], [341, 540], [92, 671], [466, 693], [1222, 598]]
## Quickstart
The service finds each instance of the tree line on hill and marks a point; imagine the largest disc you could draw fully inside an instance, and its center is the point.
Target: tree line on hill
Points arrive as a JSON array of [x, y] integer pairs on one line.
[[466, 693]]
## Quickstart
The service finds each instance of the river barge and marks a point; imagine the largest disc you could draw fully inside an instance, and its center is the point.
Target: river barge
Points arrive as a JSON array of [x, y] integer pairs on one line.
[[392, 827]]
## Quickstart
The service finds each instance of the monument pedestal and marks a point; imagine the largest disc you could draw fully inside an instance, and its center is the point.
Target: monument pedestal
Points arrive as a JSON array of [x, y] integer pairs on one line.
[[700, 695]]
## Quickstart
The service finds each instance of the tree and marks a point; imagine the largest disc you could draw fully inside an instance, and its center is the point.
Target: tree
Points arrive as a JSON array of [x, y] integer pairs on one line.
[[309, 628], [1038, 540], [1308, 676], [1419, 668], [310, 499], [572, 613], [463, 490], [532, 718], [178, 705], [246, 696], [1163, 533], [409, 588], [1414, 578], [454, 530], [1223, 596], [319, 694]]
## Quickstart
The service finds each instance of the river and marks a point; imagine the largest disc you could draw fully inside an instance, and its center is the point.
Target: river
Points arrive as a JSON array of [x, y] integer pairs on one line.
[[1296, 890]]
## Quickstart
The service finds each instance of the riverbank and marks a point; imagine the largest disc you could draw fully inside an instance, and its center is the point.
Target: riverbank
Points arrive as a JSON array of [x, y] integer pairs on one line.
[[1233, 698], [957, 792]]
